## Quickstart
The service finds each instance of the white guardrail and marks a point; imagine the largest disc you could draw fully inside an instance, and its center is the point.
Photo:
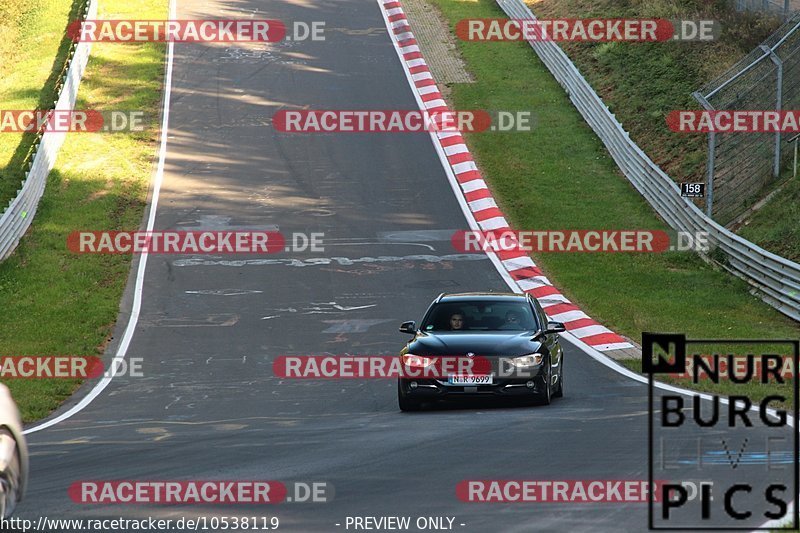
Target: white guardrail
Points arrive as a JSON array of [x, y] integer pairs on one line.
[[775, 280], [20, 211]]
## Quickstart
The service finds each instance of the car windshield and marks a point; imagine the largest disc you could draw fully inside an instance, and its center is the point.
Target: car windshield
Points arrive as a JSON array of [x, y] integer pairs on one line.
[[480, 316]]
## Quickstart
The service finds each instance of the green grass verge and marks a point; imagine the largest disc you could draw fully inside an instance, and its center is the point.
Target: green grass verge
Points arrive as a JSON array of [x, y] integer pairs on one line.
[[33, 51], [779, 234], [56, 302], [560, 176]]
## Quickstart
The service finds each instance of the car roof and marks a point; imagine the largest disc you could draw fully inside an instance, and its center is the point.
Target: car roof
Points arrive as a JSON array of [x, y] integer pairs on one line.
[[482, 297]]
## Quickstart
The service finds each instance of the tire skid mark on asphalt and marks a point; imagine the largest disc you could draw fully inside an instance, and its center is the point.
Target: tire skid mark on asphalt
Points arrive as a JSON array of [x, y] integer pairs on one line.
[[323, 261]]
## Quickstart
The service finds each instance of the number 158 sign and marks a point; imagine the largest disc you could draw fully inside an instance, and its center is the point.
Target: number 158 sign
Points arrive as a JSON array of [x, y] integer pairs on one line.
[[693, 190]]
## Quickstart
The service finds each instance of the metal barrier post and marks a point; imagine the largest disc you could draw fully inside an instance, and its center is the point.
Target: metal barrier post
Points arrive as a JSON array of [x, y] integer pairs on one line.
[[712, 148], [776, 164]]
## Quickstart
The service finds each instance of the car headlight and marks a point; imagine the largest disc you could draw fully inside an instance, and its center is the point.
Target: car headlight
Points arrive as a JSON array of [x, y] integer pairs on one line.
[[525, 361], [417, 361]]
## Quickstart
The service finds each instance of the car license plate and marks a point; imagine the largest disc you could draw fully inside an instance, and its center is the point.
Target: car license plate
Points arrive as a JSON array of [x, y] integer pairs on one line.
[[469, 380]]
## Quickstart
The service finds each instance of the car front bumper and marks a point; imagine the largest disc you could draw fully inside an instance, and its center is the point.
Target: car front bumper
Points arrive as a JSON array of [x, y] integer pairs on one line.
[[432, 389]]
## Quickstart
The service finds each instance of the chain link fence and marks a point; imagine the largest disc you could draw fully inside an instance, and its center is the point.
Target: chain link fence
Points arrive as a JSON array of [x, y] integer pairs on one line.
[[779, 8], [741, 165]]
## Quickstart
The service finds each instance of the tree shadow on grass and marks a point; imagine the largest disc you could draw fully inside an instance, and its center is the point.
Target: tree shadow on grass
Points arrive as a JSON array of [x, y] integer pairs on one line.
[[12, 175]]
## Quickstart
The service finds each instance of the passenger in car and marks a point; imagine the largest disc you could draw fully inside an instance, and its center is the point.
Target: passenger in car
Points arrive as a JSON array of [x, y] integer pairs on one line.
[[513, 321]]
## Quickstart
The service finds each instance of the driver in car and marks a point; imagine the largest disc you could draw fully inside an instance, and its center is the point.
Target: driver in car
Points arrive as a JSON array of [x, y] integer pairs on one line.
[[457, 321]]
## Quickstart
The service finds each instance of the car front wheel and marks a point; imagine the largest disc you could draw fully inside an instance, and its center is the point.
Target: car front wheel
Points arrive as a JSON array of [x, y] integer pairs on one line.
[[406, 403], [546, 394]]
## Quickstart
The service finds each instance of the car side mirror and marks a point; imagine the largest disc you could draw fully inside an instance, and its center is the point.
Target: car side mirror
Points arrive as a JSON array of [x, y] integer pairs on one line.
[[409, 327], [555, 327]]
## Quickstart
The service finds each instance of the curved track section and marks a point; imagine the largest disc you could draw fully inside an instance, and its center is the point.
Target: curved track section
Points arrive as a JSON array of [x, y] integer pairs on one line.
[[209, 407]]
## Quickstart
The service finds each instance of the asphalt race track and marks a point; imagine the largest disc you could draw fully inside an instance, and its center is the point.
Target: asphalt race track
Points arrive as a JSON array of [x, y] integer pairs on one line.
[[209, 407]]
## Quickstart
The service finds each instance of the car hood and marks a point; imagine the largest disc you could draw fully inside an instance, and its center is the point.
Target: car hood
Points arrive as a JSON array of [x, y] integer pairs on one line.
[[487, 344]]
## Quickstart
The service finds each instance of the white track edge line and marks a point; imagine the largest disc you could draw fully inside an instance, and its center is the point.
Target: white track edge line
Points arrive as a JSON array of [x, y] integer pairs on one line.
[[133, 320]]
